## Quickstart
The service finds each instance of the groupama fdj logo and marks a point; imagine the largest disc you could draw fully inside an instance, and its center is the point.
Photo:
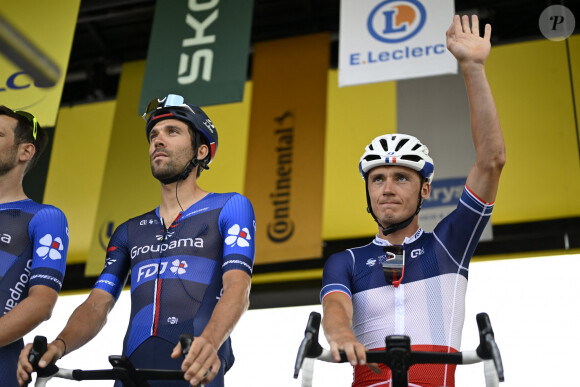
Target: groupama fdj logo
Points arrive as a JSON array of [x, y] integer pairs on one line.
[[394, 21]]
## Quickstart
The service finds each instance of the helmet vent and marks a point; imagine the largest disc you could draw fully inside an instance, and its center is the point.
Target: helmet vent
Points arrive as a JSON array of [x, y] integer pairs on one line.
[[384, 144], [401, 144], [417, 146], [411, 158], [372, 157]]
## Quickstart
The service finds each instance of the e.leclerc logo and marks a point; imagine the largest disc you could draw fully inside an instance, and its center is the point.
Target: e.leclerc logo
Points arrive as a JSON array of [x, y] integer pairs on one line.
[[394, 21]]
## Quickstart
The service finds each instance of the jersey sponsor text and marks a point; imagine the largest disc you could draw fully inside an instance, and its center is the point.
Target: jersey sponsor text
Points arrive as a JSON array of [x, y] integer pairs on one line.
[[19, 288], [185, 242]]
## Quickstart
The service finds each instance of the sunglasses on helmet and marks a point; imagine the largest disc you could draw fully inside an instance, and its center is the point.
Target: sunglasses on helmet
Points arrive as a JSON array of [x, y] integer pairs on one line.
[[170, 100], [30, 117]]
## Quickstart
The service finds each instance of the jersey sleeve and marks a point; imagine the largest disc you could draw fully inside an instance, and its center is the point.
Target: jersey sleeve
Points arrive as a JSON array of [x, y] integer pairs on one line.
[[337, 274], [117, 263], [48, 231], [237, 224], [459, 232]]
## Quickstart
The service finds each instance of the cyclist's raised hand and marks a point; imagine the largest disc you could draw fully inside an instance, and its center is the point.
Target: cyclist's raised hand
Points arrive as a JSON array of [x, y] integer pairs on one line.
[[54, 351], [464, 42], [201, 364]]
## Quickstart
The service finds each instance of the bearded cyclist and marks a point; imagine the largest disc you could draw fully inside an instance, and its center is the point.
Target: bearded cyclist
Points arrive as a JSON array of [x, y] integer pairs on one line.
[[191, 261]]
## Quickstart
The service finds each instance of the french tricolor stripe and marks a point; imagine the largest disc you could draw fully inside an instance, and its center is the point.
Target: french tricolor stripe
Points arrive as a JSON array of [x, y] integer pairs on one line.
[[478, 198]]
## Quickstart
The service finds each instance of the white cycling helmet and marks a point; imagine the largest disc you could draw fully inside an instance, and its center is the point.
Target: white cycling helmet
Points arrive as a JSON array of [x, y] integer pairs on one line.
[[397, 149]]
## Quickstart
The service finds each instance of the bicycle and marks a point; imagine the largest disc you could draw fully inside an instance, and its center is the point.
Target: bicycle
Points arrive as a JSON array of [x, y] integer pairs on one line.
[[399, 357], [122, 369]]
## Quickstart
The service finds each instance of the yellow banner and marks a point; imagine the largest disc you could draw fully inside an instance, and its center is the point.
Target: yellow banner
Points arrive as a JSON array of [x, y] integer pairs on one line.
[[355, 115], [128, 189], [285, 162], [50, 28], [77, 165]]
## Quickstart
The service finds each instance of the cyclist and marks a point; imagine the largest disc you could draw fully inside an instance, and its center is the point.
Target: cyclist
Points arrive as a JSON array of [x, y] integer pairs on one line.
[[423, 298], [191, 260], [33, 241]]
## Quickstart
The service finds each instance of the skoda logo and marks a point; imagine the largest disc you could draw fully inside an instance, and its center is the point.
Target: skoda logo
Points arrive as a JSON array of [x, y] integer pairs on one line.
[[394, 21]]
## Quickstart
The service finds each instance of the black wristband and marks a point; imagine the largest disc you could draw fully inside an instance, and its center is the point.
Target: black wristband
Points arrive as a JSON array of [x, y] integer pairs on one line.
[[64, 343]]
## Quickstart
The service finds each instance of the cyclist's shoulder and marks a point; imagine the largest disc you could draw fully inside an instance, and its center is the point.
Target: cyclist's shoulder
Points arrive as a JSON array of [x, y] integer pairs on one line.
[[356, 251], [229, 198], [31, 207], [232, 203]]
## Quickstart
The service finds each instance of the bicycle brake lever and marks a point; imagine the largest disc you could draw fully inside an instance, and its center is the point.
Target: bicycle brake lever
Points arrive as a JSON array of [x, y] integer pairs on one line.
[[185, 340], [309, 347], [488, 348], [38, 349], [484, 326]]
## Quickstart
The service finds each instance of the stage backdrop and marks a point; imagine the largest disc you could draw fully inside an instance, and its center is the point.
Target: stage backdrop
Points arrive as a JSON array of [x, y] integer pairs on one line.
[[50, 28], [284, 174]]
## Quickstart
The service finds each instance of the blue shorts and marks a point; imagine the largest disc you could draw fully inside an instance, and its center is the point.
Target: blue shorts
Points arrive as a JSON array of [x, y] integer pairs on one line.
[[155, 353], [9, 362]]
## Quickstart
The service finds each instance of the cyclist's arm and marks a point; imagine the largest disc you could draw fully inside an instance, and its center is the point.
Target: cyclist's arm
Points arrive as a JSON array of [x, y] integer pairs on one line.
[[337, 322], [228, 310], [28, 314], [83, 325], [471, 51]]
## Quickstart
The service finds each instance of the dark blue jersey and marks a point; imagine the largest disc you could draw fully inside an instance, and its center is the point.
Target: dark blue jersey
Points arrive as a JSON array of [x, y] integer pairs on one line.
[[176, 273], [33, 247]]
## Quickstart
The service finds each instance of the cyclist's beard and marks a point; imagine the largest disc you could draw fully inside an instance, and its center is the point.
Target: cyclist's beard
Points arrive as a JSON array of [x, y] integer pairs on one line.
[[8, 160], [167, 170]]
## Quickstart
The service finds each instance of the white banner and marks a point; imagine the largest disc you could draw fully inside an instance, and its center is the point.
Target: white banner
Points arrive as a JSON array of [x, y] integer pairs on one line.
[[385, 40]]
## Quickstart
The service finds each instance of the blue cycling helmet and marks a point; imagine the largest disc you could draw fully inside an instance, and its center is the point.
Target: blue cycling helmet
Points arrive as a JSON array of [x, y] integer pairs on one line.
[[174, 106]]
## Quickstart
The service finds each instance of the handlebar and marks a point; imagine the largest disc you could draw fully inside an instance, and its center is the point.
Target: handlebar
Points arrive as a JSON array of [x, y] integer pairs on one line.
[[488, 348], [122, 369], [399, 357]]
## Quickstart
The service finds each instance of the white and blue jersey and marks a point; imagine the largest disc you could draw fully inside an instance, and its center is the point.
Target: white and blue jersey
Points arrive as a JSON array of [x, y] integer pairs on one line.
[[176, 273], [33, 248], [429, 304]]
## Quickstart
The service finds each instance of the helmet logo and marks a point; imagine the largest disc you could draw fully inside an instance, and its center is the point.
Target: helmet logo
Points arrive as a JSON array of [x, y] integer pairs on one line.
[[390, 153], [209, 125]]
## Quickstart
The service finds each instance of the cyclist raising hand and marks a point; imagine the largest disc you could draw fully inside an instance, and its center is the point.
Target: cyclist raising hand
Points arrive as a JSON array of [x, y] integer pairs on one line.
[[371, 292]]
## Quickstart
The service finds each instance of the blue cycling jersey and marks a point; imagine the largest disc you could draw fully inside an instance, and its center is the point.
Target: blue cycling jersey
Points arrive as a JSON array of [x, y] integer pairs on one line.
[[33, 247], [176, 273]]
